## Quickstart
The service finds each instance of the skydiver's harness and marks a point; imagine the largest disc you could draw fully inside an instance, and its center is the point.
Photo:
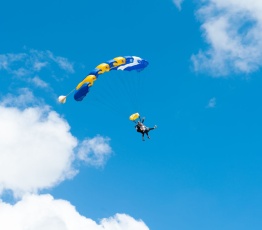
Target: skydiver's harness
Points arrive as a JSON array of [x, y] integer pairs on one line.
[[141, 128]]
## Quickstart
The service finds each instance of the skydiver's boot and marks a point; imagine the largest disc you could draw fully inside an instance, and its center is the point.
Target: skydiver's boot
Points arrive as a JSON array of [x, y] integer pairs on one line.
[[155, 127], [148, 137]]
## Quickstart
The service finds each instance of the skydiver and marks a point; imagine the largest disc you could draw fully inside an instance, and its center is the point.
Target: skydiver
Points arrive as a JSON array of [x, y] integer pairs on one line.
[[141, 128]]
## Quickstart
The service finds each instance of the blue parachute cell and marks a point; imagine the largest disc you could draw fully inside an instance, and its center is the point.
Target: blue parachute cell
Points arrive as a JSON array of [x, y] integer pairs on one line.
[[81, 93]]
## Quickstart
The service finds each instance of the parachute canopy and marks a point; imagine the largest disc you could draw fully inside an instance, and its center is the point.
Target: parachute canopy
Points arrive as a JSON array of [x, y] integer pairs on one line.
[[134, 116], [127, 63]]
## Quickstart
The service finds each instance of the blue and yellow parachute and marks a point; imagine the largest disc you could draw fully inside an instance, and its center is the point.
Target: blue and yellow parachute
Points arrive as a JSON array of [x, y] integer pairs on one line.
[[127, 63]]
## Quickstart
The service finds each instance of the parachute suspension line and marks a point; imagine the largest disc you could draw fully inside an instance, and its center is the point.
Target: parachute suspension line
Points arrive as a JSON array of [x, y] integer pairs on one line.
[[107, 95], [102, 96], [132, 88], [115, 96], [141, 92], [138, 92], [106, 102], [104, 91], [62, 98], [125, 93], [135, 88], [107, 106], [130, 84], [70, 92], [115, 93], [144, 85], [138, 101], [125, 90]]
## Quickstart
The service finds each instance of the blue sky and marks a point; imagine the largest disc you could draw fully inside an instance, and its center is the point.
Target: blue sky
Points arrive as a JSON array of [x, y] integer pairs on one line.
[[81, 165]]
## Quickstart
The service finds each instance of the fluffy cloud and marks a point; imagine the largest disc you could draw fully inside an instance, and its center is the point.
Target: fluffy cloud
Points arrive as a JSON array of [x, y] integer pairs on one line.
[[35, 212], [39, 82], [94, 151], [31, 62], [37, 150], [62, 62], [178, 3], [233, 31], [212, 103], [24, 99]]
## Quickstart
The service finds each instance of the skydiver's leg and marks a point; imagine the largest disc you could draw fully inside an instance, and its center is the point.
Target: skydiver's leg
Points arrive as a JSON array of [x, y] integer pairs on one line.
[[147, 134], [143, 136], [151, 128]]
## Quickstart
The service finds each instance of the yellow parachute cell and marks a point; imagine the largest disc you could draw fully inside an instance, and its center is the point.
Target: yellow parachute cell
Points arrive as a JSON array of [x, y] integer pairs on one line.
[[89, 79], [104, 67], [134, 116], [119, 61]]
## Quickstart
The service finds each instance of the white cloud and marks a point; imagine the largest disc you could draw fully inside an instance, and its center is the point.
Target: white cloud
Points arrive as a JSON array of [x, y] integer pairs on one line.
[[7, 59], [212, 103], [39, 82], [31, 62], [21, 71], [233, 31], [43, 212], [62, 62], [24, 99], [94, 151], [36, 149], [37, 65], [178, 3]]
